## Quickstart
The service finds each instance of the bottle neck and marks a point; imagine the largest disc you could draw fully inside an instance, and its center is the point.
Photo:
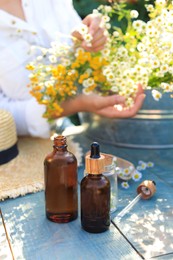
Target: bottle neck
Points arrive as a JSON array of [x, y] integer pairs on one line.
[[93, 175], [60, 143]]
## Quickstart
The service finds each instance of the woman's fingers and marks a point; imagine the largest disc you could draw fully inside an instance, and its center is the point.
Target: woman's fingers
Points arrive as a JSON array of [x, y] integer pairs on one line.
[[117, 112], [98, 42]]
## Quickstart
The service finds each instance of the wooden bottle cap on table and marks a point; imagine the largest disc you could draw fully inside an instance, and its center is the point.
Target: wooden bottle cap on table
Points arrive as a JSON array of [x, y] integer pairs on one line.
[[147, 189]]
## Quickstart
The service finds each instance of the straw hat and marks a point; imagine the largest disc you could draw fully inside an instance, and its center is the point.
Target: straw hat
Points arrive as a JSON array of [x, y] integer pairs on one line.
[[24, 173], [8, 137]]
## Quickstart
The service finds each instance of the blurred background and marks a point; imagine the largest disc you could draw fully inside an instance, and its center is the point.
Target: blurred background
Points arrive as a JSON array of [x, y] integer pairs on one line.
[[85, 7]]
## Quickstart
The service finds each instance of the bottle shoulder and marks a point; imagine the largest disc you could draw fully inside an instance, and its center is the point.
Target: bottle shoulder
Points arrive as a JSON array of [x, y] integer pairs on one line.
[[95, 179], [59, 155]]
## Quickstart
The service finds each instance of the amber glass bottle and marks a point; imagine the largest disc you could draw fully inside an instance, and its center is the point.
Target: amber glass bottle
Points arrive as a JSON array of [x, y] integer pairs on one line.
[[95, 194], [60, 172]]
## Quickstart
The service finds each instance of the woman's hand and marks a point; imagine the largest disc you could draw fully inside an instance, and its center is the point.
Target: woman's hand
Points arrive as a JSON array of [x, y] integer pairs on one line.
[[104, 106], [93, 22]]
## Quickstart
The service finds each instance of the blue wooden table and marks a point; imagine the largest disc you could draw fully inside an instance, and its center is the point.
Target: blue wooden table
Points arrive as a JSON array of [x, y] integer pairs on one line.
[[146, 232]]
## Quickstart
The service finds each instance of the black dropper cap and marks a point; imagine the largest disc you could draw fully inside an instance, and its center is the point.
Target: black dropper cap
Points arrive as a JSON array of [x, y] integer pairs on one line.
[[95, 150], [154, 183]]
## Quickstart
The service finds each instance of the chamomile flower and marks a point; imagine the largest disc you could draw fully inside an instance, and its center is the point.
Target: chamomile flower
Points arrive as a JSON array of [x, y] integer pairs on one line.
[[110, 77], [150, 8], [136, 176], [82, 29], [53, 58], [166, 87], [164, 68], [105, 18], [134, 14], [143, 166], [114, 89], [156, 94], [105, 52], [160, 3], [150, 164], [88, 39], [125, 185], [116, 34], [126, 171], [155, 64], [88, 82]]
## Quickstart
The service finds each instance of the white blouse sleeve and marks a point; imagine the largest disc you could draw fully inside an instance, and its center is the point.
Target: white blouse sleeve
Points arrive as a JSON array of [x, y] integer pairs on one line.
[[70, 19], [14, 94], [27, 115]]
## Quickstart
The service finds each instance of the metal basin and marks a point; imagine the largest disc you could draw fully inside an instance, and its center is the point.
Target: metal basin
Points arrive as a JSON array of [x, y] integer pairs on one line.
[[151, 128]]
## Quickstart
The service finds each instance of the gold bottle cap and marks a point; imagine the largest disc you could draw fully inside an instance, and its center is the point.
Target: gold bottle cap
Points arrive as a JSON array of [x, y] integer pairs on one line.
[[147, 189], [94, 166], [94, 162]]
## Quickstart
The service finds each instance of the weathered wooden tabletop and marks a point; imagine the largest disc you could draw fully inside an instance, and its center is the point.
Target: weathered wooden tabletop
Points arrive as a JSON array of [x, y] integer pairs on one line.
[[143, 233]]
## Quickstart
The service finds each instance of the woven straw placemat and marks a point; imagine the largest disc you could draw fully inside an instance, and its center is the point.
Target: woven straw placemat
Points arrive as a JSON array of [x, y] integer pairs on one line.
[[25, 173]]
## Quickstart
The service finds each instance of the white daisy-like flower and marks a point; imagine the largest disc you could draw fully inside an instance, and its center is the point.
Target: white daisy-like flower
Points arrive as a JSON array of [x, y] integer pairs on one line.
[[160, 2], [136, 176], [121, 52], [79, 50], [141, 47], [116, 34], [134, 14], [49, 83], [126, 171], [114, 89], [53, 58], [88, 39], [105, 18], [139, 26], [95, 11], [143, 166], [108, 26], [90, 81], [105, 52], [82, 29], [129, 102], [107, 70], [155, 64], [108, 8], [66, 62], [110, 77], [150, 164], [39, 58], [166, 87], [164, 68], [125, 185], [156, 94], [86, 92], [85, 84], [149, 7]]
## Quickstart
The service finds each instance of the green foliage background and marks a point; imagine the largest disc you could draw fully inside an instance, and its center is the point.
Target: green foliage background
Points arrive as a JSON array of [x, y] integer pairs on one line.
[[85, 7]]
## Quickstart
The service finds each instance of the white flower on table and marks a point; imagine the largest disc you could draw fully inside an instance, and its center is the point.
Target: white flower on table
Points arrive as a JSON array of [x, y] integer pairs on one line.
[[150, 164], [136, 176], [125, 185]]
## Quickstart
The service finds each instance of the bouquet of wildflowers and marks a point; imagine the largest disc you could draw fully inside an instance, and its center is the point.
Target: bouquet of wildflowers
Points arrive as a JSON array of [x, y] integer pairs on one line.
[[142, 54]]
